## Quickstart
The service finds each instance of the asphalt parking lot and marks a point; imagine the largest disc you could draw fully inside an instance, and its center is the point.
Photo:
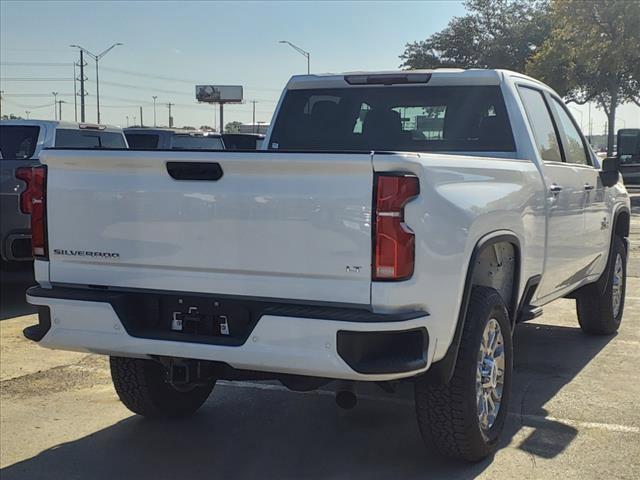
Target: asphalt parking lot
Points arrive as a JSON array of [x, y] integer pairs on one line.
[[574, 413]]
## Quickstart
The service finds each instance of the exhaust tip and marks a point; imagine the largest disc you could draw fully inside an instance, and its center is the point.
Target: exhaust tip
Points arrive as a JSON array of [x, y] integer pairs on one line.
[[346, 399]]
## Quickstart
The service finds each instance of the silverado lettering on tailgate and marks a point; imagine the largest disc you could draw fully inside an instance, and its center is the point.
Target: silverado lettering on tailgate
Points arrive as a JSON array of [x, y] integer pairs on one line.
[[86, 253]]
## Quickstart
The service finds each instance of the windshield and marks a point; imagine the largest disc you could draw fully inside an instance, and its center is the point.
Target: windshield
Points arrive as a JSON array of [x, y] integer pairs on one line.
[[197, 142], [461, 118], [18, 142], [68, 138]]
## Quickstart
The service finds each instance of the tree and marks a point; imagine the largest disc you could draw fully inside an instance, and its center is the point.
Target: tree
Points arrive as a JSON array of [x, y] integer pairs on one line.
[[232, 127], [592, 54], [495, 34], [206, 128]]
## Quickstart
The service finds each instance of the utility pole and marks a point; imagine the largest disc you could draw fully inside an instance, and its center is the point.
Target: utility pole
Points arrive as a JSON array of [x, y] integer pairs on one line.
[[1, 92], [75, 93], [134, 121], [169, 105], [254, 115], [97, 58], [82, 79], [60, 102], [55, 104], [141, 121], [155, 97], [222, 118], [127, 120]]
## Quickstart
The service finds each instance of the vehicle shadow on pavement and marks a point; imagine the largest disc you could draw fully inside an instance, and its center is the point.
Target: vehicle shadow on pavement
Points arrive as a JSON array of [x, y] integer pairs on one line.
[[247, 432], [14, 282], [547, 358]]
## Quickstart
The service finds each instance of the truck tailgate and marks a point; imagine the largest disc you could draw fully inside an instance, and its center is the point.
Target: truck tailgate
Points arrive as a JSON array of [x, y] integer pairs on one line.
[[278, 225]]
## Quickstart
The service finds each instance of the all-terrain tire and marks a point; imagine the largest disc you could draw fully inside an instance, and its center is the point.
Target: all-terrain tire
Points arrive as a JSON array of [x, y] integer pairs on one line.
[[143, 388], [448, 413], [595, 304]]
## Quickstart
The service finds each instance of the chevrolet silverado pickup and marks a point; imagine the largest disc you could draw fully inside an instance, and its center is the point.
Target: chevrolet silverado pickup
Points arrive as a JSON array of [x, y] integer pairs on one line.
[[395, 226]]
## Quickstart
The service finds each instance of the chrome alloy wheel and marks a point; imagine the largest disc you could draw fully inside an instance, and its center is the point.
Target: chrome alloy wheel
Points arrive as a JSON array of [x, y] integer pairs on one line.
[[490, 375], [617, 286]]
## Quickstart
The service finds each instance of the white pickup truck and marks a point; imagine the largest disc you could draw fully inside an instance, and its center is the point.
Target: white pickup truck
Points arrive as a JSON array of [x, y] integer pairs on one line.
[[395, 226]]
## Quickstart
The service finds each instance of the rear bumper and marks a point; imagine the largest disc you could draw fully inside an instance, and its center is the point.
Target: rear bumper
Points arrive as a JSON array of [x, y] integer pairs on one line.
[[337, 343]]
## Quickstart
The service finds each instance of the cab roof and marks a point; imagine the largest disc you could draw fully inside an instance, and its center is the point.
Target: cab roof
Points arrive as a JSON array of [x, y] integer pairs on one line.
[[435, 77]]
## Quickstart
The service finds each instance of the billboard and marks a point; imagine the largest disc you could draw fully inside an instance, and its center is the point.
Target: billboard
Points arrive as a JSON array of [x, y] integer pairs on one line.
[[219, 93]]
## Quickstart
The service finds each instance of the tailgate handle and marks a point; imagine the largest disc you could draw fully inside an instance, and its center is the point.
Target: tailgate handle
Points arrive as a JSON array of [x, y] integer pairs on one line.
[[209, 171]]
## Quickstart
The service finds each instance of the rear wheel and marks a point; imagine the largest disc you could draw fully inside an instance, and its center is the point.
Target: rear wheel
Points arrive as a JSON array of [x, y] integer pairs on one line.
[[464, 418], [600, 308], [143, 388]]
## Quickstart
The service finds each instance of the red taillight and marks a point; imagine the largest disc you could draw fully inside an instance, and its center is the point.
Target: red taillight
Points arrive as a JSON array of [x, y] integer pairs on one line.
[[32, 201], [394, 242], [25, 174]]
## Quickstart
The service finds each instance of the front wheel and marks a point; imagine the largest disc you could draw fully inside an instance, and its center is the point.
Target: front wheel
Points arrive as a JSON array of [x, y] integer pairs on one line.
[[600, 309], [464, 418]]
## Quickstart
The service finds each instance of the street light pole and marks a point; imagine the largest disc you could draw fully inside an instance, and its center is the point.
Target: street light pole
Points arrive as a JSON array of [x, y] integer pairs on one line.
[[27, 112], [55, 104], [97, 58], [302, 52], [155, 97]]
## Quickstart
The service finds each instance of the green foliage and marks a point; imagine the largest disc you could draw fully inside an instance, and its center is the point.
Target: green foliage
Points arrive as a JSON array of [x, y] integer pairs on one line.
[[592, 53], [494, 34], [232, 127]]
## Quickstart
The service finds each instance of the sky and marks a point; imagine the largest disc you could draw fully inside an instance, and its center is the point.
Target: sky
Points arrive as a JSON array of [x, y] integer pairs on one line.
[[169, 47]]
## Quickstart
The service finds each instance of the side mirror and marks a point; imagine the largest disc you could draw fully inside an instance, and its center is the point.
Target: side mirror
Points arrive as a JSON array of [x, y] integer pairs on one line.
[[610, 171]]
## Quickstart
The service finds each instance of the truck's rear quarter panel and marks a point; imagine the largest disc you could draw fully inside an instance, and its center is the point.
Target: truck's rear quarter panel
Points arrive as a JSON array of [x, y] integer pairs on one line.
[[462, 199]]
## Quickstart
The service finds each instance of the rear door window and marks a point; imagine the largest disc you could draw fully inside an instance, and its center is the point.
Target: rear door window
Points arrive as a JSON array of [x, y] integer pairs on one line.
[[18, 142], [142, 141], [541, 123], [69, 138], [401, 118]]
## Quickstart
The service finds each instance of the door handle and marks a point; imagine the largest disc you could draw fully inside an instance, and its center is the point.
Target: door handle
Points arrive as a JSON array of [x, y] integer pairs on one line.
[[210, 171], [555, 189], [588, 186]]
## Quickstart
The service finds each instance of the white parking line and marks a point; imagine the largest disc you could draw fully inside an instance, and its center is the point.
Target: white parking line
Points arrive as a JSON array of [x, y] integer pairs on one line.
[[535, 419]]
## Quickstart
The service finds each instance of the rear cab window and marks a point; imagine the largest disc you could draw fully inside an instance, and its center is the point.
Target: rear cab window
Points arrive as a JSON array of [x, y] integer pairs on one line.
[[196, 142], [18, 142], [70, 138], [142, 141], [399, 118]]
